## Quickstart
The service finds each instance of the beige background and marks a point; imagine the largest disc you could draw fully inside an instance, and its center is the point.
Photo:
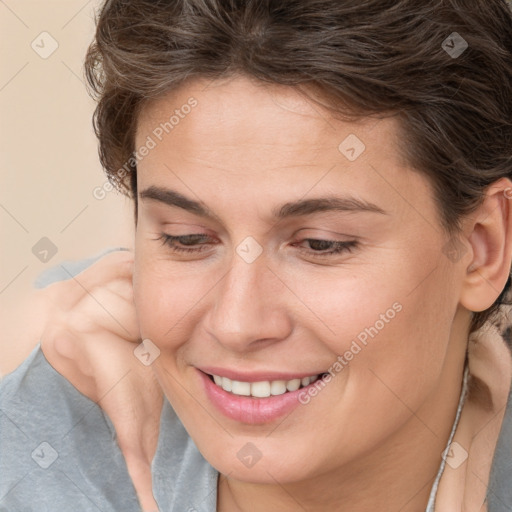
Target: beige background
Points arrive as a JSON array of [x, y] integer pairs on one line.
[[49, 165]]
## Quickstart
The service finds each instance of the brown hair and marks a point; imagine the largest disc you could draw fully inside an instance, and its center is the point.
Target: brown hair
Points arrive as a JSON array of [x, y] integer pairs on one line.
[[443, 67]]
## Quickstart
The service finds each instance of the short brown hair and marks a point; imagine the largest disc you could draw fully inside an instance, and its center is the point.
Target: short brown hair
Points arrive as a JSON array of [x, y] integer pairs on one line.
[[443, 67]]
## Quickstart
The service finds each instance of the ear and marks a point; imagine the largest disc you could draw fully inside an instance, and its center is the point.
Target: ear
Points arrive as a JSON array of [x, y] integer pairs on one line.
[[489, 233]]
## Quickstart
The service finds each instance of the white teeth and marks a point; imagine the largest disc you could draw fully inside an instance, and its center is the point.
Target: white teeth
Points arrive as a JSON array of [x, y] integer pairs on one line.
[[293, 385], [241, 388], [278, 387], [227, 384], [262, 389]]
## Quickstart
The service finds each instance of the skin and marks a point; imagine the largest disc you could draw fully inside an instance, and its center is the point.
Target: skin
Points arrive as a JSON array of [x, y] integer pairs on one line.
[[88, 332], [372, 439]]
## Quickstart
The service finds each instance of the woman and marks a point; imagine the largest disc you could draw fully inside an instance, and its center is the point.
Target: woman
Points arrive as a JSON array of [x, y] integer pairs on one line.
[[323, 234]]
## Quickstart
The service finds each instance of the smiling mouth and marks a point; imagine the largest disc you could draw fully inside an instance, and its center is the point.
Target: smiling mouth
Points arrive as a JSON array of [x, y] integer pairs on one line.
[[262, 389]]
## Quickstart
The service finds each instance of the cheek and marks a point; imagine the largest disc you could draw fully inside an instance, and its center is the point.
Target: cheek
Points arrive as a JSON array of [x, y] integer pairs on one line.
[[392, 336], [393, 321], [167, 298]]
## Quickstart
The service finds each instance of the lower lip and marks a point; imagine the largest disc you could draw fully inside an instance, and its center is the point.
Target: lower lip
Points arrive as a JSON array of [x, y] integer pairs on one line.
[[251, 410]]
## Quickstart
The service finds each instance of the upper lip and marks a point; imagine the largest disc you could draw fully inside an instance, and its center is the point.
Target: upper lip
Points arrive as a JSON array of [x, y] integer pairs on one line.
[[255, 376]]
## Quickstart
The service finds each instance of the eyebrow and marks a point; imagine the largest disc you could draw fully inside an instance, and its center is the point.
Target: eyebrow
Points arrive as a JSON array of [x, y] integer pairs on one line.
[[291, 209]]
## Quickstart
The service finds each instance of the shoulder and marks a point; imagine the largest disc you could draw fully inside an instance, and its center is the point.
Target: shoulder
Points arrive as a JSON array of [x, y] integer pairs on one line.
[[182, 478], [499, 495], [57, 447]]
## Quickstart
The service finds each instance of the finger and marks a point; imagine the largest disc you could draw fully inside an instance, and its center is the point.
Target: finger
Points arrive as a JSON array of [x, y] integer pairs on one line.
[[111, 268], [104, 310]]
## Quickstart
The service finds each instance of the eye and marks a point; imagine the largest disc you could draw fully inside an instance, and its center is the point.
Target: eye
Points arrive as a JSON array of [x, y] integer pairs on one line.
[[197, 243], [323, 248], [193, 243]]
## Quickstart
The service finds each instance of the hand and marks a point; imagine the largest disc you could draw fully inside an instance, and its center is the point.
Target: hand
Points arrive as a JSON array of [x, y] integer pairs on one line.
[[89, 337]]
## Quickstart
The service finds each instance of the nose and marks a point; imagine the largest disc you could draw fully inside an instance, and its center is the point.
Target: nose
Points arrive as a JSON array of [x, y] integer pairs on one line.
[[248, 309]]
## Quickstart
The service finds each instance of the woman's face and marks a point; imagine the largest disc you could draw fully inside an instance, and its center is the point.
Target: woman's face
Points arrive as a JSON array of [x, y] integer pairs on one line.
[[300, 245]]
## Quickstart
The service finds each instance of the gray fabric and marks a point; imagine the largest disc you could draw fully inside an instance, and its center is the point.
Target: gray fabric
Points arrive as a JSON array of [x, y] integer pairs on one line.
[[58, 450], [37, 405], [86, 469], [499, 493], [182, 479]]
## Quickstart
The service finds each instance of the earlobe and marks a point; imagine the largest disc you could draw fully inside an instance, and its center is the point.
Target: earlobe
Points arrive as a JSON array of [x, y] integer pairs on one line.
[[489, 231]]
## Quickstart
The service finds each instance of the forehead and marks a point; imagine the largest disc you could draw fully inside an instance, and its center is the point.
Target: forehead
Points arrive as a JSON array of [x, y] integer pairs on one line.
[[248, 138], [241, 113]]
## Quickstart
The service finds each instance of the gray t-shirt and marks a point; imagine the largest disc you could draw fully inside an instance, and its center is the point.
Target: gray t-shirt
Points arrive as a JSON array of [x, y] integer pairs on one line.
[[58, 449], [58, 452]]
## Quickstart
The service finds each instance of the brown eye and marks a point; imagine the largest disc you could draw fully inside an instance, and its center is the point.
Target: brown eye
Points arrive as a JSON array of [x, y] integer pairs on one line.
[[318, 247], [186, 243]]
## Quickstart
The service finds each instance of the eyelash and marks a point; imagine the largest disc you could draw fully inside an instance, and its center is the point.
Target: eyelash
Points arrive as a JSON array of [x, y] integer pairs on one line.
[[339, 247], [171, 240]]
